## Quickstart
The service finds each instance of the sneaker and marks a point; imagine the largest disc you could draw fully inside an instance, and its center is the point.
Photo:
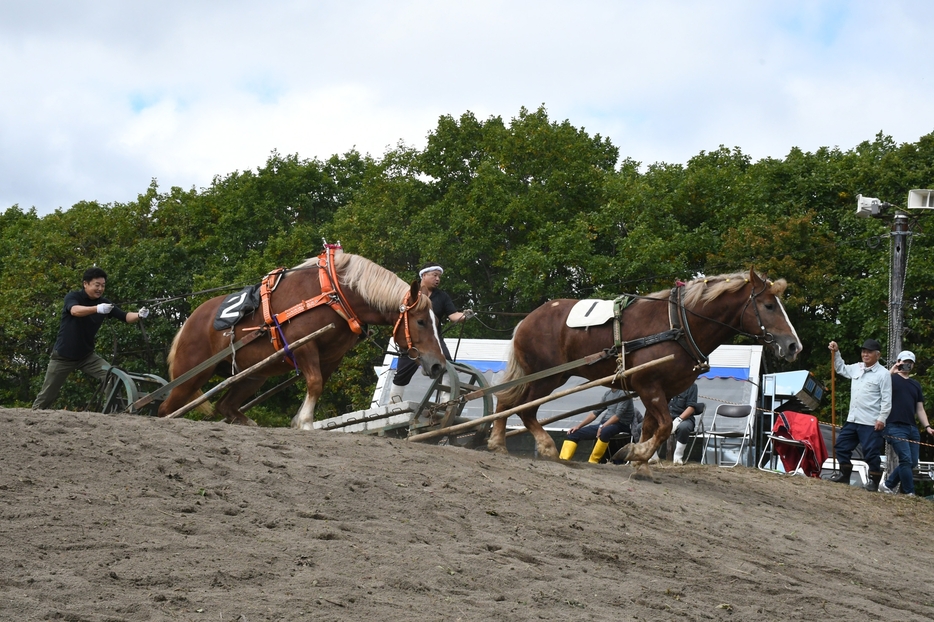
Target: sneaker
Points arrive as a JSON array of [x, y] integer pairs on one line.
[[884, 488], [909, 494]]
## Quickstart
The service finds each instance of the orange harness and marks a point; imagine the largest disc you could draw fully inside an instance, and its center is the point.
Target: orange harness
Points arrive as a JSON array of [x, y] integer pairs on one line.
[[331, 294]]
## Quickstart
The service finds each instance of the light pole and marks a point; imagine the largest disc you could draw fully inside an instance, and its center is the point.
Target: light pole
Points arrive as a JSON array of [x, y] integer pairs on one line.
[[899, 240]]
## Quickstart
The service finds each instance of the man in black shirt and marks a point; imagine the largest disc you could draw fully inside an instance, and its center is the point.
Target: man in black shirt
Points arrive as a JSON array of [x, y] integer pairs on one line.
[[901, 432], [443, 307], [85, 310]]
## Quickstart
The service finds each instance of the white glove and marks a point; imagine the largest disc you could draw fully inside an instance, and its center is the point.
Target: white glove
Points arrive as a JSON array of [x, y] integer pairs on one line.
[[469, 313], [674, 424], [104, 308], [143, 313]]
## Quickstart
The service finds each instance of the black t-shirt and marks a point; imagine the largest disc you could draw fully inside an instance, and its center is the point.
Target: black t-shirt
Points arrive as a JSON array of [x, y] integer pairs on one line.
[[906, 393], [76, 334], [442, 305]]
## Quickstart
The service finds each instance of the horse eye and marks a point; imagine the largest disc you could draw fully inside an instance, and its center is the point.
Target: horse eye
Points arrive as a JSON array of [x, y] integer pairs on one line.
[[769, 306], [420, 322]]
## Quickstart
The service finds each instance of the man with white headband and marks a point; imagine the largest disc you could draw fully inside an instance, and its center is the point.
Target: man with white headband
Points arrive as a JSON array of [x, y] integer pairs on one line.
[[443, 307]]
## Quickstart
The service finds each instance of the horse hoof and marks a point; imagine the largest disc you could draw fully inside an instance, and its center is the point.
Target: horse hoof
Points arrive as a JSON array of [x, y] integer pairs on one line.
[[643, 472], [621, 456], [498, 449]]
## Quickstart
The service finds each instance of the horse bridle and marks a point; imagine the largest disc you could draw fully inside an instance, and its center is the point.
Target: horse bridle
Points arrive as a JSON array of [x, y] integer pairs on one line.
[[679, 322], [766, 337], [404, 309]]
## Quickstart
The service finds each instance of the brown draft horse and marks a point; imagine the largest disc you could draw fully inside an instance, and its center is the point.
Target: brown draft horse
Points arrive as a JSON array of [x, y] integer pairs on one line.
[[715, 309], [375, 295]]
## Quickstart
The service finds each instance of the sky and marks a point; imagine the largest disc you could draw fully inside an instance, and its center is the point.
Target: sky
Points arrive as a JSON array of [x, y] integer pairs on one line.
[[99, 98]]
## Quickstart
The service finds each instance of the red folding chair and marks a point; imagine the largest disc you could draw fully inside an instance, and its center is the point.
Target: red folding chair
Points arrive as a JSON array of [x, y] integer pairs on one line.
[[796, 441]]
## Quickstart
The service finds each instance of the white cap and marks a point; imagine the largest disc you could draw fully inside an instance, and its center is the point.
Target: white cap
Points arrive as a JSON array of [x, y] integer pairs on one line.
[[907, 355]]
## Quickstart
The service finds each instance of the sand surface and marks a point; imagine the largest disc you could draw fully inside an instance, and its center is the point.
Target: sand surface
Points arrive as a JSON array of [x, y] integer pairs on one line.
[[118, 517]]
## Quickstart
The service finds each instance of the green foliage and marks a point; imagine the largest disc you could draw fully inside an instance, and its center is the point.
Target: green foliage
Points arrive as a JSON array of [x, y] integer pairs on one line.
[[518, 211]]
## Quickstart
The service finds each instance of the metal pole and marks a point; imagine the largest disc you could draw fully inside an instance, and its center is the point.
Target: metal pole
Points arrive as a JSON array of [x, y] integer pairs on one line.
[[898, 268]]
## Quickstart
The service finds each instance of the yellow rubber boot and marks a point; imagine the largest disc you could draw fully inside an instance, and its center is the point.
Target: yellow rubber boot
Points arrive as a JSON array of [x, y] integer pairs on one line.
[[567, 450], [599, 448]]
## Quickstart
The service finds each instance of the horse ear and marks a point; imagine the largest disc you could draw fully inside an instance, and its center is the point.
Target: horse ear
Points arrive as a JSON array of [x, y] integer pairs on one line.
[[416, 286], [753, 277]]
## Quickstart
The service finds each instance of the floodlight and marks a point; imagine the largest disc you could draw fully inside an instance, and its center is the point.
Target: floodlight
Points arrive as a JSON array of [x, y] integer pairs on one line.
[[921, 199]]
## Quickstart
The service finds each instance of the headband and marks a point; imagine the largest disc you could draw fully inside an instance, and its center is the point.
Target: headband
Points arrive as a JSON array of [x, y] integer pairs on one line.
[[424, 271]]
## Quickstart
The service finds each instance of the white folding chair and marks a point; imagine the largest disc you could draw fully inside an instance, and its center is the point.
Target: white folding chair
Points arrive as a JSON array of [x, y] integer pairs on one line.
[[731, 426]]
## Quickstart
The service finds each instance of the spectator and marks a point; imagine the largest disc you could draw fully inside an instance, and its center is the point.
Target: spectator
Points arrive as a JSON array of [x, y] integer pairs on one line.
[[682, 409], [870, 405], [901, 431], [85, 310], [614, 419]]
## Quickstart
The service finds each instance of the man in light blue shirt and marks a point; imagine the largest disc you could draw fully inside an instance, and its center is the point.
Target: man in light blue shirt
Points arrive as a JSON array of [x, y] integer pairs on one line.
[[870, 404]]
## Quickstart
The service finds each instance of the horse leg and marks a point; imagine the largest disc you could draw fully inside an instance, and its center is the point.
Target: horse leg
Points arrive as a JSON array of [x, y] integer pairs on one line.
[[497, 441], [314, 382], [656, 427], [544, 444], [185, 393], [229, 405]]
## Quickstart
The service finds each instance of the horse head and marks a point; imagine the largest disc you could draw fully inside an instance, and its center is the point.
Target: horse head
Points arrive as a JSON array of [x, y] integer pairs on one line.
[[416, 332], [767, 315]]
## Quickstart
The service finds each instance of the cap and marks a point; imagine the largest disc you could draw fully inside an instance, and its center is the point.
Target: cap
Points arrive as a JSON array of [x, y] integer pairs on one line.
[[907, 355], [872, 344]]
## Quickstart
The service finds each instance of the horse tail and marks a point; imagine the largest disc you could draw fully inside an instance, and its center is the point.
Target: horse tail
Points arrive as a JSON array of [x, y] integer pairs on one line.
[[170, 358], [205, 408], [512, 395]]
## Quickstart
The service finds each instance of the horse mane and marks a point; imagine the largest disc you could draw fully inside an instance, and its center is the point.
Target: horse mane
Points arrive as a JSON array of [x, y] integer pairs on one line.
[[704, 289], [381, 289]]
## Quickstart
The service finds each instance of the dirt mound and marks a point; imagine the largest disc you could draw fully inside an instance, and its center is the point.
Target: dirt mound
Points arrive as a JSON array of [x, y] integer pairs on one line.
[[128, 518]]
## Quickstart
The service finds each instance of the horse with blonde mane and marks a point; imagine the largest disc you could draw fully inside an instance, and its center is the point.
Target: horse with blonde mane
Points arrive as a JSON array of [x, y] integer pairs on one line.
[[367, 294], [688, 321]]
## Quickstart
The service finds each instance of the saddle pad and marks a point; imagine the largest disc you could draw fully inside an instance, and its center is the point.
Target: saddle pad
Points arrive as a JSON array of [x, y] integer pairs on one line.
[[235, 306], [590, 312]]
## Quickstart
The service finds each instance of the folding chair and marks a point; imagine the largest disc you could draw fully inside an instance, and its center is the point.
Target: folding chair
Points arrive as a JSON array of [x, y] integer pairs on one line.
[[731, 424], [796, 441]]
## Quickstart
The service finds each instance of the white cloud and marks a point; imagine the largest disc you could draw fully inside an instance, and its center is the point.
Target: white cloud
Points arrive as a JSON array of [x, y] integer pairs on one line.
[[98, 98]]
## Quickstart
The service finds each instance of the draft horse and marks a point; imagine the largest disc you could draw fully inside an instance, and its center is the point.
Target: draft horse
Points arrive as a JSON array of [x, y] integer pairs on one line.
[[688, 321], [357, 292]]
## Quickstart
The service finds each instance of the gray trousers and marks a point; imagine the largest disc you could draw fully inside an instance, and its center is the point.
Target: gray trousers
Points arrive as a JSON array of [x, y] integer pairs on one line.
[[58, 371]]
